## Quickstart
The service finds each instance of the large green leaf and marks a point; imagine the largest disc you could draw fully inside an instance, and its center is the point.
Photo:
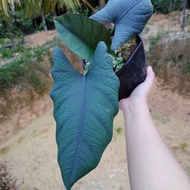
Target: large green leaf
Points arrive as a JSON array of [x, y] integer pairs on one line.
[[81, 34], [129, 17], [84, 109]]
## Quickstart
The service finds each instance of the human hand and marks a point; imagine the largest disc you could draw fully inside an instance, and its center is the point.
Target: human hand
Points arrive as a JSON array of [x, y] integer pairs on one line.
[[140, 93]]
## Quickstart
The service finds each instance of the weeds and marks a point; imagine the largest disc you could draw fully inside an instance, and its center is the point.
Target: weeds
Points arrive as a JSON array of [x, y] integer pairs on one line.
[[25, 64], [146, 30], [187, 20], [183, 145], [186, 67], [118, 130], [154, 39], [10, 74]]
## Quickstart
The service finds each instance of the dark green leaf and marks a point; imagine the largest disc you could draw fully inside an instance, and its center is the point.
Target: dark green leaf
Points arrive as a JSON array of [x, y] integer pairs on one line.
[[84, 109], [81, 34]]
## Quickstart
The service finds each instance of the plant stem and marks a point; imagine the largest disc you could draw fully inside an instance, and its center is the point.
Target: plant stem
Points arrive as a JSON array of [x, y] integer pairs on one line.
[[112, 30], [88, 65]]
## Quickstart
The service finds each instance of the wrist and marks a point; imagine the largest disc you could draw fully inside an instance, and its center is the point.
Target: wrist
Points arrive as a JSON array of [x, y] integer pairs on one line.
[[134, 105]]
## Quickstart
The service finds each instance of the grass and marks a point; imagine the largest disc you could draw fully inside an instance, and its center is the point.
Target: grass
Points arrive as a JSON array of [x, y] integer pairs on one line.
[[118, 130], [154, 39], [146, 30], [25, 64], [161, 118], [187, 20], [186, 67], [183, 145]]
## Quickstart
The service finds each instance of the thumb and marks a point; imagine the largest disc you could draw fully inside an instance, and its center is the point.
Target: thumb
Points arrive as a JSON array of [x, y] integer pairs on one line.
[[150, 77]]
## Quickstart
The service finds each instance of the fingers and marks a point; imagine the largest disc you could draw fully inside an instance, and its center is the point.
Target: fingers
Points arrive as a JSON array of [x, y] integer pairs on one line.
[[141, 92], [123, 104], [149, 78]]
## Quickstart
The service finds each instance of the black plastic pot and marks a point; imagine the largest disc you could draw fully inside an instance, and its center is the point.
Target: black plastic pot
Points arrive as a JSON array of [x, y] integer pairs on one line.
[[133, 71]]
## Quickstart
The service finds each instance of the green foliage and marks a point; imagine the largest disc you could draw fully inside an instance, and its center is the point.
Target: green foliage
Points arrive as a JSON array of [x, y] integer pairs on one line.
[[8, 30], [117, 63], [163, 6], [186, 68], [83, 11], [22, 23], [86, 104], [154, 39], [41, 26], [35, 7], [74, 30], [5, 53], [187, 20], [146, 30], [24, 65], [84, 108], [10, 74], [118, 130], [17, 25], [184, 145], [49, 21]]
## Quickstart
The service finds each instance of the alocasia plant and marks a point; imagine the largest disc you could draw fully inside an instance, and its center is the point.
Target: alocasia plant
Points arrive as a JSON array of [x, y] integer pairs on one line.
[[86, 104]]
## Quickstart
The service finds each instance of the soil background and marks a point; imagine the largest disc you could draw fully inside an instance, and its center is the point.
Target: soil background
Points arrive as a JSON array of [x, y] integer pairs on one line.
[[28, 144]]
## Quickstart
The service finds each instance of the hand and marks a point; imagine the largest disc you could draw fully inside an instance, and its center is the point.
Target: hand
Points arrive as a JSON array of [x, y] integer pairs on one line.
[[141, 92], [150, 162]]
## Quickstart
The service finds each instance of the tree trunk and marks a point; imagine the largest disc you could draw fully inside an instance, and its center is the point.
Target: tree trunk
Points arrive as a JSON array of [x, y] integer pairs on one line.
[[183, 17], [170, 7], [102, 3], [44, 22], [35, 23]]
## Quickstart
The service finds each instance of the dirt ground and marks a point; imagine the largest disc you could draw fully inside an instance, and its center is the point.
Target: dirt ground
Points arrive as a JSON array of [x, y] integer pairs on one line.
[[31, 154]]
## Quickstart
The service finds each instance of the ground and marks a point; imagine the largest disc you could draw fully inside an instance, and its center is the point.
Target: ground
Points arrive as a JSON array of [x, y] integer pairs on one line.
[[31, 152]]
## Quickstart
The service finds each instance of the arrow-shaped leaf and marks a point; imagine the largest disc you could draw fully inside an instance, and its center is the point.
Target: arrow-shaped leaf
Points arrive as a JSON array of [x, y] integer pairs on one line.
[[129, 17], [81, 34], [84, 108]]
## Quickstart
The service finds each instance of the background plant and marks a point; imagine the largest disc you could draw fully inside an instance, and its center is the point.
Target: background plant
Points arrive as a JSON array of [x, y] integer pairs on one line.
[[25, 64], [186, 67], [167, 6], [19, 16], [155, 39]]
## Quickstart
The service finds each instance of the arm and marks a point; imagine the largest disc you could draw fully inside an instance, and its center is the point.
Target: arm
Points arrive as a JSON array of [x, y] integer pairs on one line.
[[150, 162]]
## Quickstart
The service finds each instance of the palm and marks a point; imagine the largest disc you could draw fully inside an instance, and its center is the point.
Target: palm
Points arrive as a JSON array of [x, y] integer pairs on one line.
[[35, 7]]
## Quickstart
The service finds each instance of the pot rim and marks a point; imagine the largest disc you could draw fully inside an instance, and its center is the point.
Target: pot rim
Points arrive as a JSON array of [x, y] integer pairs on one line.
[[140, 43]]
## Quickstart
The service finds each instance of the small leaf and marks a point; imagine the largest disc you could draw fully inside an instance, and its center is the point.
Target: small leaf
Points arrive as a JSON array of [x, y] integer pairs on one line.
[[84, 109], [81, 34]]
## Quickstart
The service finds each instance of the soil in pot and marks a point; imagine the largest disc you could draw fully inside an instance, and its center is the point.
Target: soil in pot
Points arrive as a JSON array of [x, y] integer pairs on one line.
[[133, 72], [125, 51]]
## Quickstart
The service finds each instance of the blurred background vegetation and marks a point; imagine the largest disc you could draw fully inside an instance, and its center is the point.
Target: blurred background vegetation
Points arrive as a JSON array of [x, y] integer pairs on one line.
[[19, 18]]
